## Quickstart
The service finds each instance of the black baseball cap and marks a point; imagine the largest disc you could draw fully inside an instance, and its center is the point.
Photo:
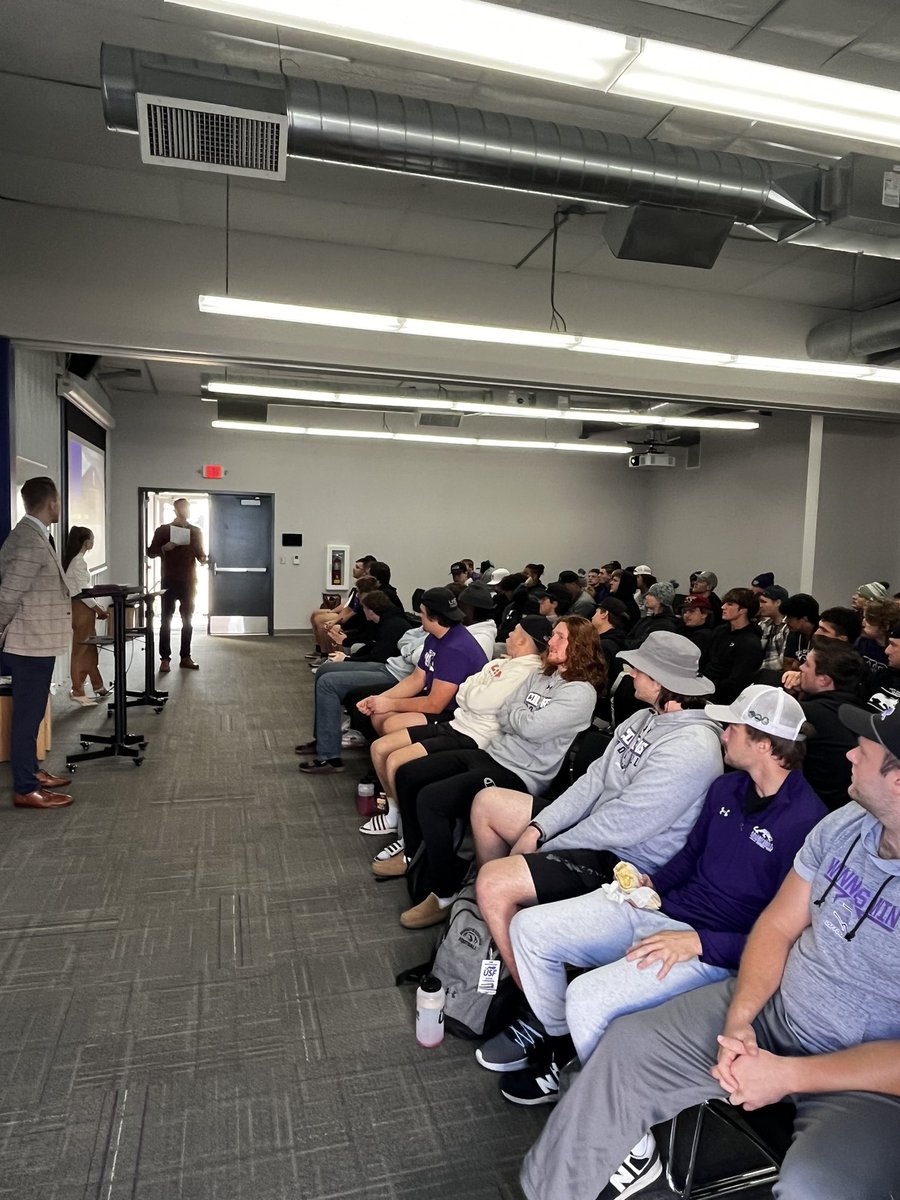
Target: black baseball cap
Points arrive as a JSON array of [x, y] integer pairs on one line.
[[478, 596], [538, 629], [442, 602], [801, 604], [459, 568], [568, 577], [881, 727]]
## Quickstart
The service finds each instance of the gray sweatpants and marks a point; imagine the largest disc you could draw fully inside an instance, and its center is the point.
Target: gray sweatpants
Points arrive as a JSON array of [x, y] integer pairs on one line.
[[594, 931], [652, 1065]]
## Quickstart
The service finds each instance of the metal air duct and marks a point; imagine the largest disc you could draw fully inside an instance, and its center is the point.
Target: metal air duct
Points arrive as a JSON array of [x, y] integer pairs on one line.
[[355, 125], [855, 336]]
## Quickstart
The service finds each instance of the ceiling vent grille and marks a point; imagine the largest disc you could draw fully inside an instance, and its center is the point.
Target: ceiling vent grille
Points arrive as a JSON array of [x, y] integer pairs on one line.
[[211, 137], [438, 420]]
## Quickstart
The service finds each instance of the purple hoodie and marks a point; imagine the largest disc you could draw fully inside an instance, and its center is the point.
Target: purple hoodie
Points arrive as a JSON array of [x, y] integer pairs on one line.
[[734, 862]]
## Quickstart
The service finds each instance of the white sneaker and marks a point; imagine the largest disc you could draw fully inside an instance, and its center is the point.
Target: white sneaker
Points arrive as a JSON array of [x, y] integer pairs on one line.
[[352, 738], [382, 823], [391, 850]]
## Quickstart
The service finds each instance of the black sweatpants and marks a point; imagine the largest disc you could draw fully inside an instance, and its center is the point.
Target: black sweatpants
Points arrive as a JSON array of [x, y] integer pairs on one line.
[[433, 794]]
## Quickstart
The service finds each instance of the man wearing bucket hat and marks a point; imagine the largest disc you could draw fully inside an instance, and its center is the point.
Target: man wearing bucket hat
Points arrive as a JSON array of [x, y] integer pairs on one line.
[[753, 822], [640, 799], [813, 1017]]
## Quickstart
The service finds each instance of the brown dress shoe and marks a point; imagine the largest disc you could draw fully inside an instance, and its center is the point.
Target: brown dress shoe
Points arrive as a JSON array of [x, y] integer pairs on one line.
[[164, 666], [188, 664], [42, 799], [51, 781]]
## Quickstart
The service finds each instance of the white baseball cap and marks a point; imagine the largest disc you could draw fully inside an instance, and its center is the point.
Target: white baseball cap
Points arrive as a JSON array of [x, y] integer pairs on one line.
[[768, 709]]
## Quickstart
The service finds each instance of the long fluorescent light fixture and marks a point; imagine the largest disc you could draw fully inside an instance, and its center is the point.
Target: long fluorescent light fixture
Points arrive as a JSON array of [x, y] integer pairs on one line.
[[525, 43], [466, 31], [381, 435], [411, 402], [335, 318]]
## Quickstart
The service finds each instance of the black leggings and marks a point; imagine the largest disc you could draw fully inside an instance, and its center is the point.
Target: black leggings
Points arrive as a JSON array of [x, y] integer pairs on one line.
[[433, 794]]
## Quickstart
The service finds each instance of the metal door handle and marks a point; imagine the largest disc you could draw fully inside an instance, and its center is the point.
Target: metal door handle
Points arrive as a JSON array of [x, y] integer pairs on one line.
[[240, 570]]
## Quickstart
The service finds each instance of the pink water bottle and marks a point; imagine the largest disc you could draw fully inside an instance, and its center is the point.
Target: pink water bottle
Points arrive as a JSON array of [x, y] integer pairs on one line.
[[365, 800]]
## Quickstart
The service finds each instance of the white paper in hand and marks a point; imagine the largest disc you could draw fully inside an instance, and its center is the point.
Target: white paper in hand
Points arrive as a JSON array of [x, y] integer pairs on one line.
[[179, 536]]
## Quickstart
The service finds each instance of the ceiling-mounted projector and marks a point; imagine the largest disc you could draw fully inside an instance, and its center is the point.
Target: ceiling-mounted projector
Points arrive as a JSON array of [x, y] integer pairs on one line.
[[652, 458]]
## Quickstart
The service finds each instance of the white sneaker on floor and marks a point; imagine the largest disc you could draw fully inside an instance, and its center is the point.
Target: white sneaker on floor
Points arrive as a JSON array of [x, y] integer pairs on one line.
[[382, 823], [351, 739], [391, 850]]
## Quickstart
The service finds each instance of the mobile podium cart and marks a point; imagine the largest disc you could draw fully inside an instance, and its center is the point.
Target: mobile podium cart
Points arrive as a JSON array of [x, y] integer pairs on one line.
[[120, 743]]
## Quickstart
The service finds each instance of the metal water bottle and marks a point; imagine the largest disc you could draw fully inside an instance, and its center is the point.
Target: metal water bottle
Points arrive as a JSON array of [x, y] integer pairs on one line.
[[430, 1012]]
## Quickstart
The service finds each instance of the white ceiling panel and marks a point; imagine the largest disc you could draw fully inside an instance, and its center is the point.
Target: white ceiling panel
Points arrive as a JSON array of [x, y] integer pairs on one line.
[[831, 23]]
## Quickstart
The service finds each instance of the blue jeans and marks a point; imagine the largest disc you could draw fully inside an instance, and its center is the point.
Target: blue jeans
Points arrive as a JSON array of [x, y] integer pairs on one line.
[[333, 682], [30, 689]]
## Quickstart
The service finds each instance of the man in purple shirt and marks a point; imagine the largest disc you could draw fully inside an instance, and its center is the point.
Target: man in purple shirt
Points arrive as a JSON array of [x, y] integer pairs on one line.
[[449, 656], [753, 822]]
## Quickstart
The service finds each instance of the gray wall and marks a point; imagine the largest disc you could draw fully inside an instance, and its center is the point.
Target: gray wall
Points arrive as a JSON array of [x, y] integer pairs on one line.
[[859, 508], [740, 513], [36, 425], [422, 507], [418, 507]]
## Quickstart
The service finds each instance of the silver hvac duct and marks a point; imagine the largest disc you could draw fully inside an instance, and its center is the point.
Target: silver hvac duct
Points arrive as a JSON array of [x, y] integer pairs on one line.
[[354, 125], [857, 335]]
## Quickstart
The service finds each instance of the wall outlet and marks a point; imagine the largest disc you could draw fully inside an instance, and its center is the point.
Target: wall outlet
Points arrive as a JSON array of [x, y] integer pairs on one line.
[[296, 560]]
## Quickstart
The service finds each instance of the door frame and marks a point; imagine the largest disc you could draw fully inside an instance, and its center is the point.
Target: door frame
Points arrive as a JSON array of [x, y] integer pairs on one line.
[[144, 492]]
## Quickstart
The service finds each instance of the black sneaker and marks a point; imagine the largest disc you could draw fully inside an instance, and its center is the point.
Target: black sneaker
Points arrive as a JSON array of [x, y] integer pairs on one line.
[[534, 1085], [635, 1174], [509, 1050], [323, 766]]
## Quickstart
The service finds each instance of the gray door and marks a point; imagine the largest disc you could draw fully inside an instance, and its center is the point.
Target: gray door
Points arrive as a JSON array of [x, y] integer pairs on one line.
[[240, 563]]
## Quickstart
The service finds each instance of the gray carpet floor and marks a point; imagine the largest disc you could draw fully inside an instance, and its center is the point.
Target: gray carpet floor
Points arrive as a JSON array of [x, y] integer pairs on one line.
[[197, 969], [197, 995]]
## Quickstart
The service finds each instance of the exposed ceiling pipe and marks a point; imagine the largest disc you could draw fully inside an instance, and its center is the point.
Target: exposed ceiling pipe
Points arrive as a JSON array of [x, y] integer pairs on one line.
[[856, 336], [358, 126]]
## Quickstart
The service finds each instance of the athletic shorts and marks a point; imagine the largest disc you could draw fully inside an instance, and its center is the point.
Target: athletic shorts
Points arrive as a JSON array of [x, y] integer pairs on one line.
[[436, 738], [562, 874], [440, 718]]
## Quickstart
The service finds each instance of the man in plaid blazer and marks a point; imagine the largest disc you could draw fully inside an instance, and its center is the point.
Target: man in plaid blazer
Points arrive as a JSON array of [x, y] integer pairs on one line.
[[35, 626]]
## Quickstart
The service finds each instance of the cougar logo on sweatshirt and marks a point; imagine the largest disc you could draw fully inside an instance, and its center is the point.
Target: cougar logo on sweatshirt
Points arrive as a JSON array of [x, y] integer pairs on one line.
[[630, 747]]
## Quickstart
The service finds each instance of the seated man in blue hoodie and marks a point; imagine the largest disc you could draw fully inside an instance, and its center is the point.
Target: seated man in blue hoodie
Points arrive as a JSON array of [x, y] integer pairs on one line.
[[753, 822]]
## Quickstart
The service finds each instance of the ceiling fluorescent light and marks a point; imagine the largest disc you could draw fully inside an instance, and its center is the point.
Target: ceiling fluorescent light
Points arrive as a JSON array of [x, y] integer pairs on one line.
[[413, 403], [724, 83], [301, 314], [619, 349], [465, 31], [791, 366], [335, 318], [434, 439], [525, 43]]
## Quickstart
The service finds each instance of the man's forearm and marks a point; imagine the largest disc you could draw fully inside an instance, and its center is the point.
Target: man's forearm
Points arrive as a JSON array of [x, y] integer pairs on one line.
[[762, 966], [414, 704], [871, 1067], [403, 690]]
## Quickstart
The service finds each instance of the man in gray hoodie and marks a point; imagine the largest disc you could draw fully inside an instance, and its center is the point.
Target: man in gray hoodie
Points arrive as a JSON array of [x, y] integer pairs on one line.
[[640, 800]]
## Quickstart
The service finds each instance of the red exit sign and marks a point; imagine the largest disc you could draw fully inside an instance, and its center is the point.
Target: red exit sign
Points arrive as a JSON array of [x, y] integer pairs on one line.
[[212, 471]]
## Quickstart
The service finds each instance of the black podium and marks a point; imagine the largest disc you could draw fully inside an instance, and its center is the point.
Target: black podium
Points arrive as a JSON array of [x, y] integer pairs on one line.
[[151, 696], [120, 743]]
